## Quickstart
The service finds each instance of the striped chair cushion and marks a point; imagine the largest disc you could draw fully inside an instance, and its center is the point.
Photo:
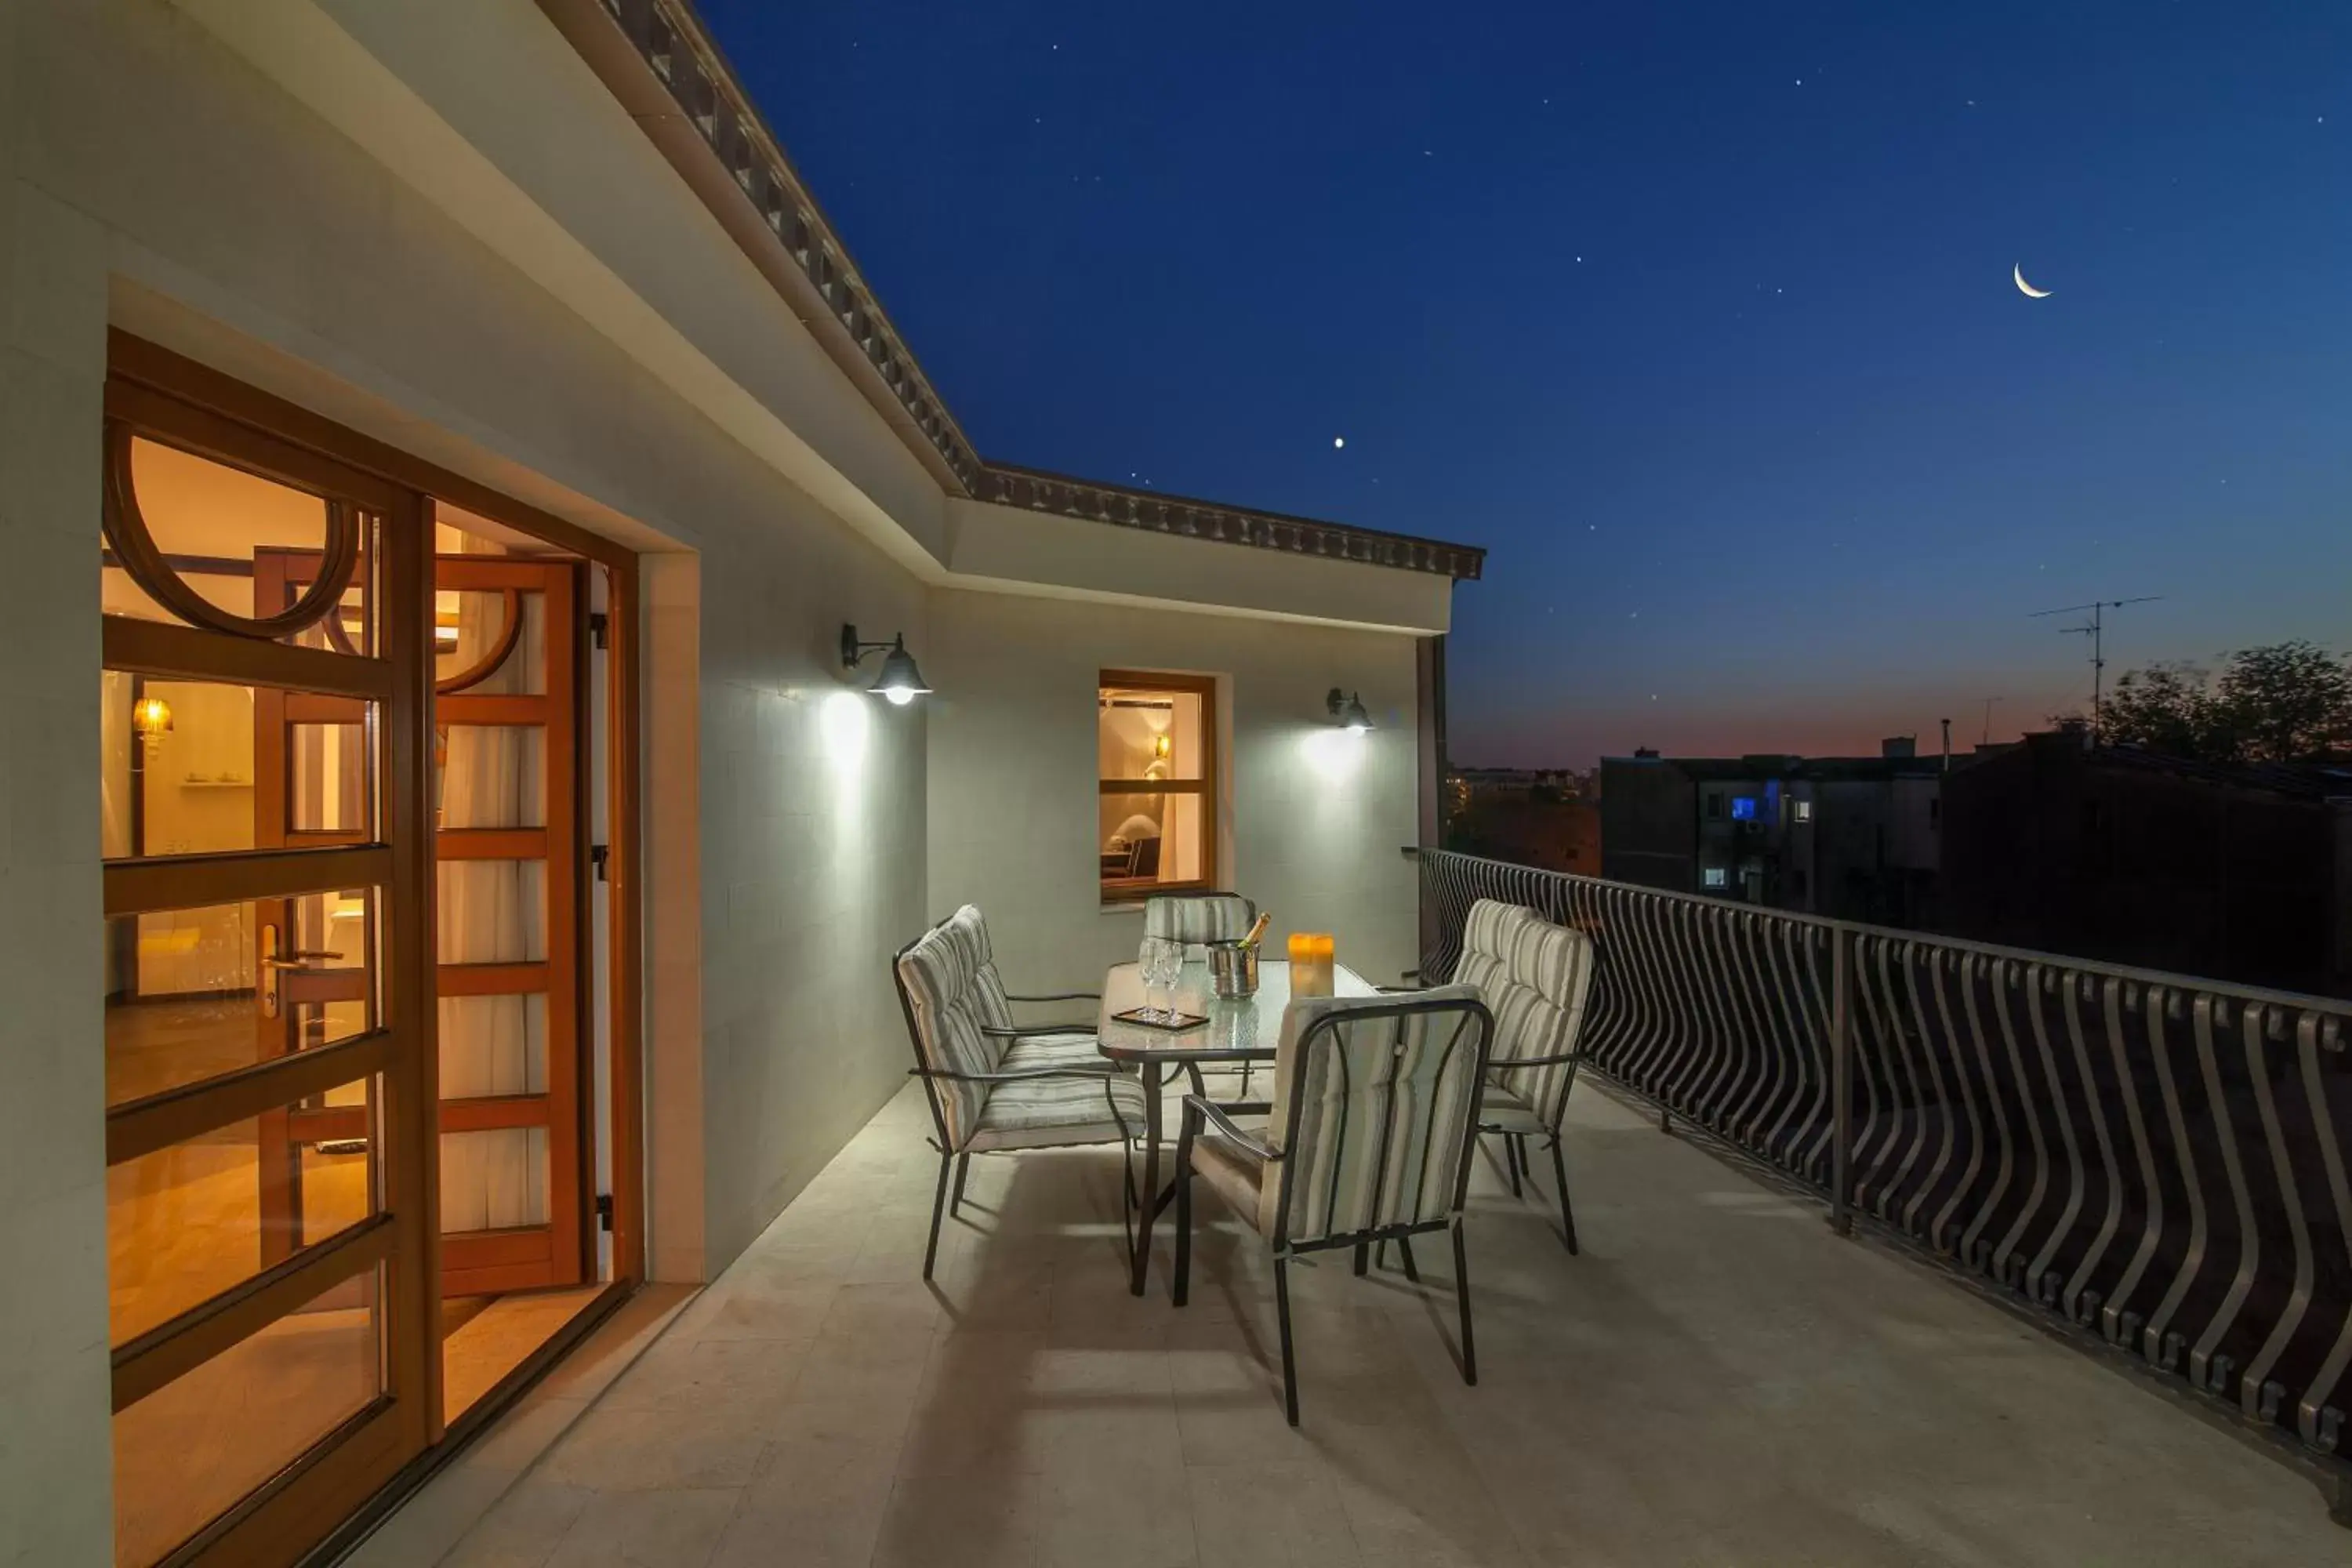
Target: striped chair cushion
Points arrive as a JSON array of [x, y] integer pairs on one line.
[[1385, 1105], [968, 931], [1058, 1111], [1198, 917], [1535, 977], [946, 999], [1053, 1052]]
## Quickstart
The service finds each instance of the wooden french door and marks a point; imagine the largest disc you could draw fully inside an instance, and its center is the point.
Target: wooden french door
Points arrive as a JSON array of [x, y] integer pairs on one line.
[[269, 1040], [509, 851], [283, 944]]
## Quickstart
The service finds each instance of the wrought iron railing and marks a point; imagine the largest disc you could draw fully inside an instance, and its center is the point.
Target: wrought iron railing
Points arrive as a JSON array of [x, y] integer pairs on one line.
[[2160, 1160]]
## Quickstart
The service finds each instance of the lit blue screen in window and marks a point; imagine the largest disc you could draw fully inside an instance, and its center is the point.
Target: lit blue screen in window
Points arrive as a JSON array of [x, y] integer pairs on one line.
[[1743, 808]]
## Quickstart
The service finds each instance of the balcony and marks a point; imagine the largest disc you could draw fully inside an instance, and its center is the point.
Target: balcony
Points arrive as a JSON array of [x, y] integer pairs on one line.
[[2012, 1152]]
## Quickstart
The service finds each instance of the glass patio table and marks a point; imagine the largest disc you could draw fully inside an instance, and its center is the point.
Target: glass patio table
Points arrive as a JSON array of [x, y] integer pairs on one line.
[[1240, 1030]]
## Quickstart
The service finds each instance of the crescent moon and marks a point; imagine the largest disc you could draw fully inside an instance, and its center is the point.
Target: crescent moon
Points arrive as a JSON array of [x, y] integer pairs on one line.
[[2028, 289]]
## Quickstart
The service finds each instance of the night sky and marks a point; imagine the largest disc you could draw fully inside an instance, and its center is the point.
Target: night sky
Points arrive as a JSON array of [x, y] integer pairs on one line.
[[1698, 316]]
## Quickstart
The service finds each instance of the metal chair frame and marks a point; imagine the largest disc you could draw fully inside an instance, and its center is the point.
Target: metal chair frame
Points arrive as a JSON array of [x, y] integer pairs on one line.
[[1200, 1111], [960, 1160], [1514, 1144]]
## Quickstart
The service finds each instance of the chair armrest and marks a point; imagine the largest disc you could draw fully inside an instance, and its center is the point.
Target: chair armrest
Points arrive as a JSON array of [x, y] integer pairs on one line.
[[1086, 1026], [1198, 1110], [1057, 997], [1399, 990], [1019, 1075], [1505, 1063]]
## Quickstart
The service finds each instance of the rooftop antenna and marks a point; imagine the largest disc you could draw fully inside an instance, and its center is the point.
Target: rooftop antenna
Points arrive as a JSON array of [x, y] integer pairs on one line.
[[2096, 631], [1987, 737]]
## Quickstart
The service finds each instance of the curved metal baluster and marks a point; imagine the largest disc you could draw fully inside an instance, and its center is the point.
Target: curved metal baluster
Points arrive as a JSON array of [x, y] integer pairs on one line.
[[2204, 1369], [2070, 1299], [1689, 982], [1989, 970], [2116, 1317], [1730, 1031], [1862, 1024], [2298, 1301], [1748, 1044], [1870, 1042], [1641, 1060], [2310, 1411], [1824, 1114], [1718, 1048], [2037, 1285], [1612, 979], [1922, 955], [1938, 1228], [1793, 1039], [2152, 1337], [2007, 1250], [1630, 924], [1755, 1057], [1747, 1116], [1895, 1023]]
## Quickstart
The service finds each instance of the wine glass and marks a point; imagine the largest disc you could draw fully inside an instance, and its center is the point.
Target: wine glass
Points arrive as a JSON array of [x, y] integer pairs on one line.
[[1171, 969], [1150, 958]]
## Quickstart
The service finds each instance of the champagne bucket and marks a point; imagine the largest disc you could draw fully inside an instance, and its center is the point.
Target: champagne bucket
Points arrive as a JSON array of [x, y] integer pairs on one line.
[[1233, 970]]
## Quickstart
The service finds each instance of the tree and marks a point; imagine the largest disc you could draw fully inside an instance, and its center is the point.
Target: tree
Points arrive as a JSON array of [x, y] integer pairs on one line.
[[2289, 702], [2285, 702], [2168, 708]]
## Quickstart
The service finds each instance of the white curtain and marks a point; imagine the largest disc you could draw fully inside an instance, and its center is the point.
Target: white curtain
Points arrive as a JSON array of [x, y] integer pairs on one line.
[[494, 912]]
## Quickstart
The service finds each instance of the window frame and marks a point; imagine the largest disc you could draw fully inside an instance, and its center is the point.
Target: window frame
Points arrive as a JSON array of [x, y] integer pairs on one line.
[[1207, 787]]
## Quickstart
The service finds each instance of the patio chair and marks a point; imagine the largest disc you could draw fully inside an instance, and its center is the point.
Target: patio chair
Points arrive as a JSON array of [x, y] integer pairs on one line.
[[1535, 977], [1198, 918], [994, 1086], [1367, 1141]]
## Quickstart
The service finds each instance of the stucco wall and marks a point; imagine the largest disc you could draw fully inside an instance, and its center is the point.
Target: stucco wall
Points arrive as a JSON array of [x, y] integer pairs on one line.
[[1314, 819], [55, 1500], [152, 177]]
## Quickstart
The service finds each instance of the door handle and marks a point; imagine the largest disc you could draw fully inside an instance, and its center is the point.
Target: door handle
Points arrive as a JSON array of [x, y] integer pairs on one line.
[[273, 963]]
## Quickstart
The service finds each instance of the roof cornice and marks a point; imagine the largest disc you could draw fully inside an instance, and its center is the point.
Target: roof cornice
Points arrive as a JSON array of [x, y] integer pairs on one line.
[[1162, 513], [659, 60]]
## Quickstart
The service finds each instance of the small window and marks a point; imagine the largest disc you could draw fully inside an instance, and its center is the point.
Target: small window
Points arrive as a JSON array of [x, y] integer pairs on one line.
[[1156, 764], [1935, 813], [1804, 809], [1716, 876], [1715, 808], [1743, 808]]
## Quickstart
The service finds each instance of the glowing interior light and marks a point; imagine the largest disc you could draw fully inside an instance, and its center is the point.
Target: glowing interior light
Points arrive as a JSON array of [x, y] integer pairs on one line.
[[898, 696]]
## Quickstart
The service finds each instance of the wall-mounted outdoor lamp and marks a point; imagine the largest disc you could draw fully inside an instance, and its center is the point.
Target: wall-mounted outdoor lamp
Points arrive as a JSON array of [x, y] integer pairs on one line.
[[898, 679], [1347, 708]]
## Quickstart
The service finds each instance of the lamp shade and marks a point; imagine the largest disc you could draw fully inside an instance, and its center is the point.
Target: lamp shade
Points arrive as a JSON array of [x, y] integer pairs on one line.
[[1347, 708], [898, 682]]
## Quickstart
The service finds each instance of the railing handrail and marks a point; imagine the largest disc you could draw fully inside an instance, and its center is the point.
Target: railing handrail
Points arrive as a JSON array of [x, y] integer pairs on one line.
[[2257, 995]]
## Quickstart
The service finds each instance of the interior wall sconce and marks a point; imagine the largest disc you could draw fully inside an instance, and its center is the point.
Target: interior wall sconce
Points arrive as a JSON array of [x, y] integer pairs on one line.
[[150, 718], [897, 681], [1347, 708], [1162, 746]]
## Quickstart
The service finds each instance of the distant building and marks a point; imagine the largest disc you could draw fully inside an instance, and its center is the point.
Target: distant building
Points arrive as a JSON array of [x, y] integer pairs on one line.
[[1855, 837], [2236, 873], [1544, 817]]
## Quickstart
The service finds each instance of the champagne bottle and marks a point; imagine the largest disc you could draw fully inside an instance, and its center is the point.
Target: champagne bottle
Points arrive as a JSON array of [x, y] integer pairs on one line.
[[1257, 932]]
